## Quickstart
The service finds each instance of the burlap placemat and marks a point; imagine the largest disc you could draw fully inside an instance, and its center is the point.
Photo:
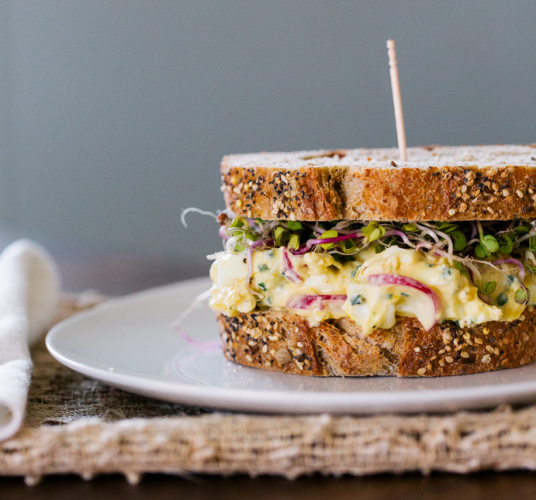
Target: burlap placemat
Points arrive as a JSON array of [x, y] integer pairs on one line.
[[77, 425]]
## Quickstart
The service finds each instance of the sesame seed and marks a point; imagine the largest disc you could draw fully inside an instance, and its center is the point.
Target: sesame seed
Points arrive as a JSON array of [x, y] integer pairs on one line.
[[299, 344], [519, 193], [466, 336], [486, 358], [464, 189], [504, 362], [479, 341], [485, 331], [449, 359], [448, 348], [452, 211], [442, 351], [267, 363], [505, 192], [252, 343], [298, 352], [496, 351], [489, 348], [238, 203], [250, 213], [522, 317], [495, 186], [264, 348], [463, 207], [273, 337], [421, 371], [249, 358], [417, 349], [465, 354], [490, 210]]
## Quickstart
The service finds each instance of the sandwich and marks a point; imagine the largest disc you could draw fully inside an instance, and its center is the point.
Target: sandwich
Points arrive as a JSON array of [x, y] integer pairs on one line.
[[353, 263]]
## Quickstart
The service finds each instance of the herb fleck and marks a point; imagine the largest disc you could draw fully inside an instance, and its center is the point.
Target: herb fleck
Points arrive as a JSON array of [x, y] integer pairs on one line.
[[356, 300]]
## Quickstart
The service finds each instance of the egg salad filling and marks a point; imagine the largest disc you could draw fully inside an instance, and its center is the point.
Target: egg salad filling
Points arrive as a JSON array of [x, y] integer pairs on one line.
[[328, 289], [374, 272]]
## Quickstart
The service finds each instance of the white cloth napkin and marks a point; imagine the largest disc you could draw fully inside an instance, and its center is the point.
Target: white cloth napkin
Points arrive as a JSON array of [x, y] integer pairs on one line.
[[29, 293]]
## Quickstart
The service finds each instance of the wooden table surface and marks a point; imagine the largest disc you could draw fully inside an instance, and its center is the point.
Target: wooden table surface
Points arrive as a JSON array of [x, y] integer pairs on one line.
[[120, 274]]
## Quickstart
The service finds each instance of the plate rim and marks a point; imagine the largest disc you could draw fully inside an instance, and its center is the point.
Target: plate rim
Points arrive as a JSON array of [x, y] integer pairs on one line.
[[276, 401]]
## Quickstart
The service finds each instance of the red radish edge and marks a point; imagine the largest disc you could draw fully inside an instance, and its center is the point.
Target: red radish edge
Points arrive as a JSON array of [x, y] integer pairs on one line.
[[398, 280], [288, 270], [203, 345], [310, 301]]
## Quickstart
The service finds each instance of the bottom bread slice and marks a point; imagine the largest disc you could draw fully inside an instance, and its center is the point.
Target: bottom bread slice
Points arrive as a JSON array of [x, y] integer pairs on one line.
[[285, 342]]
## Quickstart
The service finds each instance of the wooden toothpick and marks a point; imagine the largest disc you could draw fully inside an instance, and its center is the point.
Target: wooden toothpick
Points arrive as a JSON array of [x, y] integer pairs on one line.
[[397, 100]]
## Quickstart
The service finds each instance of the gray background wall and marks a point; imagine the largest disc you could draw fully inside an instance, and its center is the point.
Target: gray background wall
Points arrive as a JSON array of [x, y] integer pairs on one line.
[[114, 114]]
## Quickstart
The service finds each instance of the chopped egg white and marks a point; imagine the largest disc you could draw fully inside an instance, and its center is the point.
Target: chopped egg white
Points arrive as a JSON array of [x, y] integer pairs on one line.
[[370, 306]]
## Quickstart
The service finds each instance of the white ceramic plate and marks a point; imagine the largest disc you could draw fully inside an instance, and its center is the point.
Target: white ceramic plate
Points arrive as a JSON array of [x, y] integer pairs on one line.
[[129, 343]]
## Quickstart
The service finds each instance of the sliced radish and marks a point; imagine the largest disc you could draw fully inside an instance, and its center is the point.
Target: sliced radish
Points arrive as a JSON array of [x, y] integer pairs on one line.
[[314, 301], [203, 345], [288, 269], [398, 280]]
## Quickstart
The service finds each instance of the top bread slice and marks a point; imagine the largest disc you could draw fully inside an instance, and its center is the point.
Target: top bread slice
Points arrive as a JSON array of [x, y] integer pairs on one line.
[[437, 183]]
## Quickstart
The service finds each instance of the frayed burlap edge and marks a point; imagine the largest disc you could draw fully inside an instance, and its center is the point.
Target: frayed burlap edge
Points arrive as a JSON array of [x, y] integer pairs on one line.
[[68, 430], [287, 446]]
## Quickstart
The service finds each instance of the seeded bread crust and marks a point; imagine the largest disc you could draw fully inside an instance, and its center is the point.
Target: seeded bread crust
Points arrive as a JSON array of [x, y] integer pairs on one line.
[[438, 184], [285, 342]]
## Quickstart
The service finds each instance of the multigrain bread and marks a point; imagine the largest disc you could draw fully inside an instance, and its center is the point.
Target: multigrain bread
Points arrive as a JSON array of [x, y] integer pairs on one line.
[[284, 342], [438, 183]]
